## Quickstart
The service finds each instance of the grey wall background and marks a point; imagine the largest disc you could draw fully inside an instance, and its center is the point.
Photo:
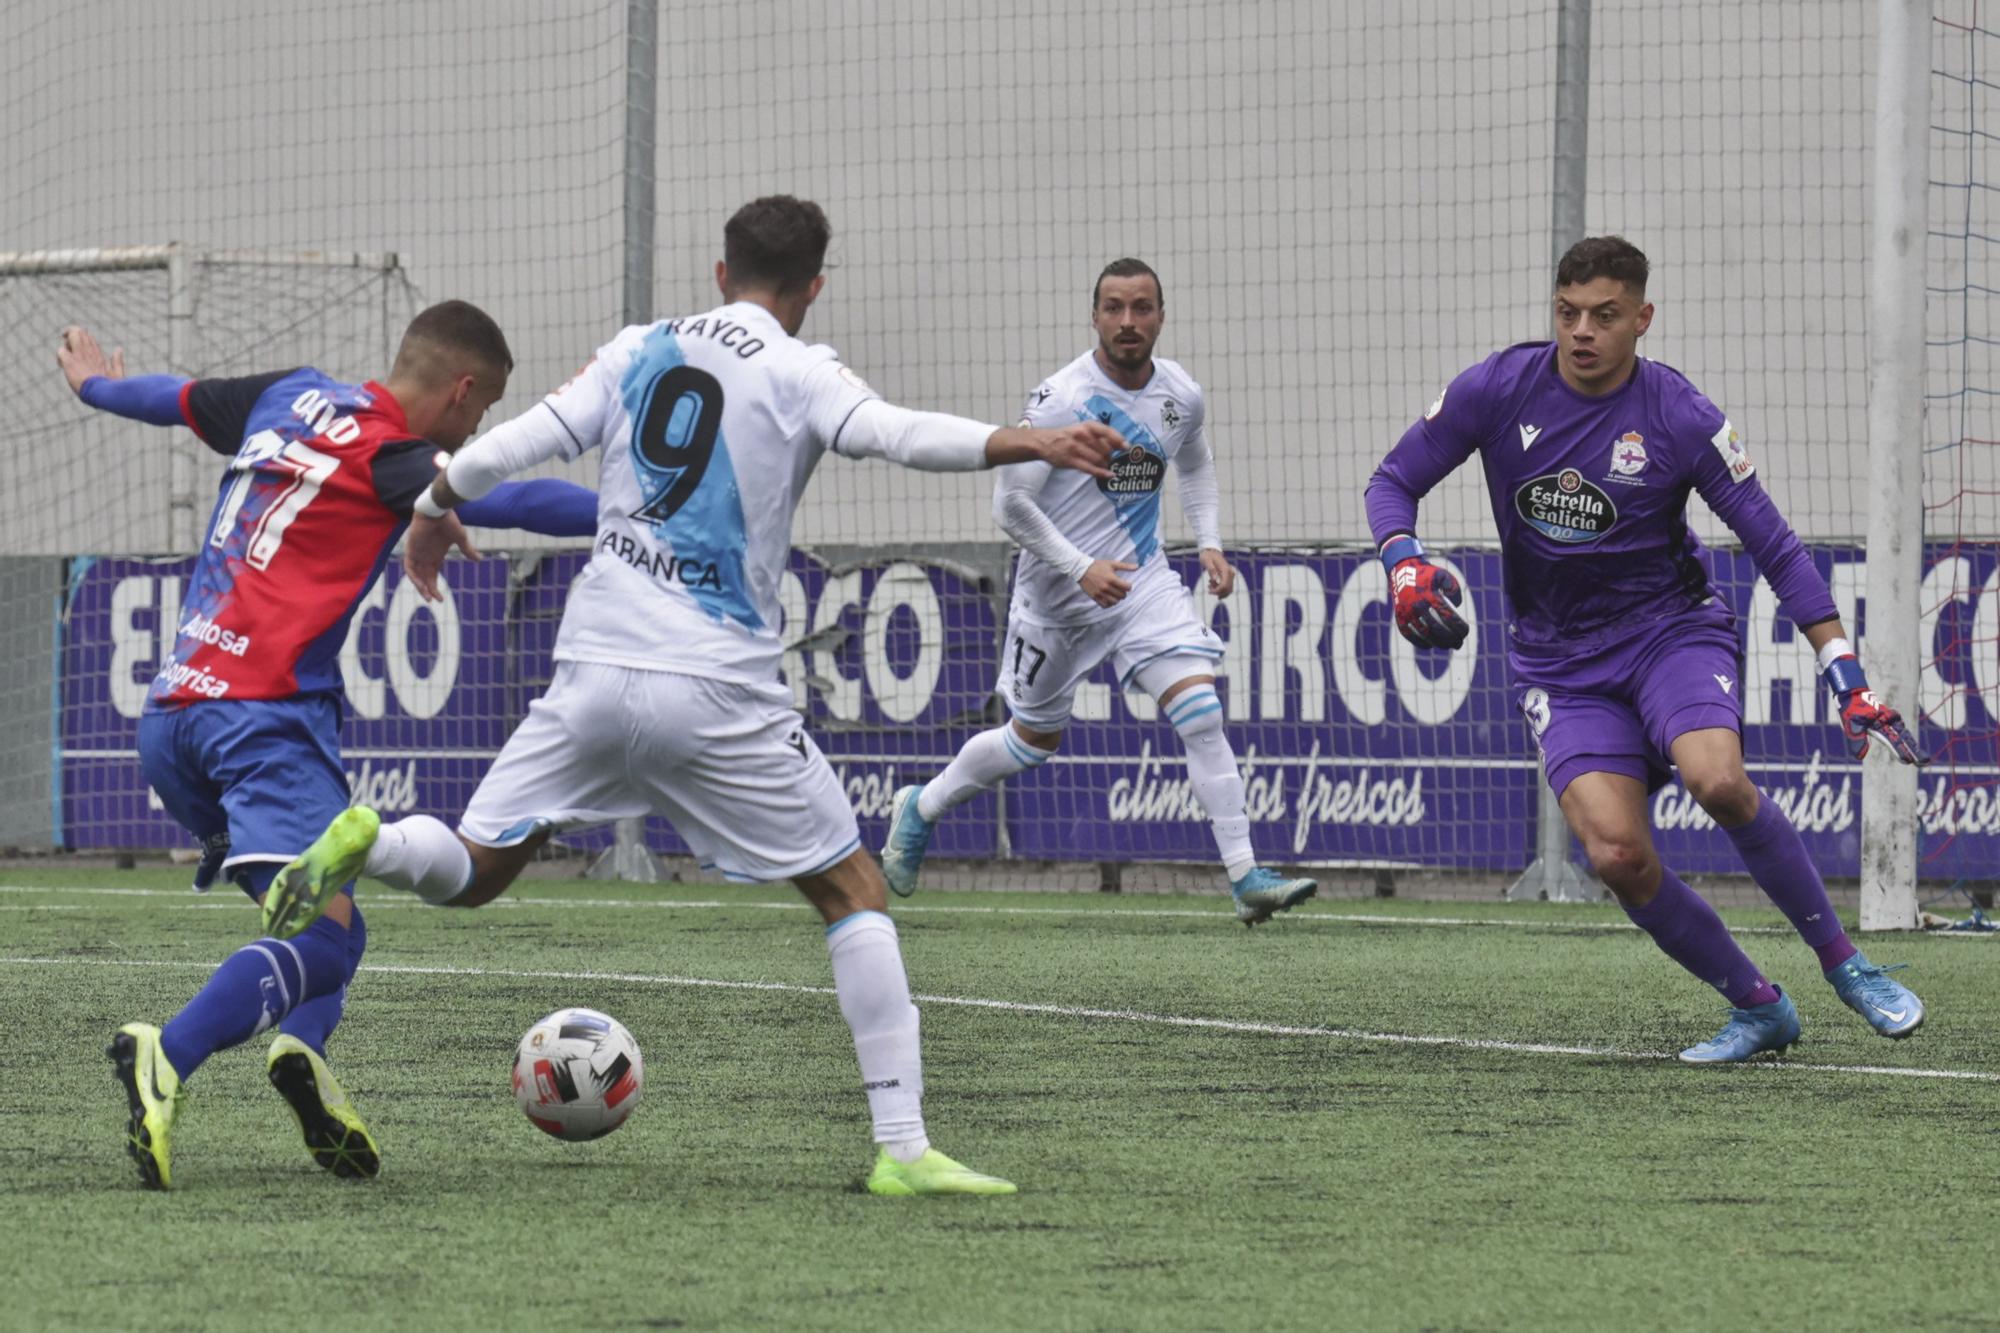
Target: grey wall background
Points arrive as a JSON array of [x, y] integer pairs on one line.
[[1349, 203]]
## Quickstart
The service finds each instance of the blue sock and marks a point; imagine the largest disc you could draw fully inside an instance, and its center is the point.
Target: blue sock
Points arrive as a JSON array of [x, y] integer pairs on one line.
[[255, 987], [313, 1022]]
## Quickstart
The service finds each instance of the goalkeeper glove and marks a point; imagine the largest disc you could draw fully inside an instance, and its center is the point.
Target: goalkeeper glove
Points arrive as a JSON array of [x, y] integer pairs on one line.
[[1862, 715], [1425, 596]]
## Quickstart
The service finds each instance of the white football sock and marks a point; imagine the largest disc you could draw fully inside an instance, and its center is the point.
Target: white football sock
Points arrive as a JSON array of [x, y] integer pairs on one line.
[[987, 760], [874, 996], [1218, 784], [420, 855]]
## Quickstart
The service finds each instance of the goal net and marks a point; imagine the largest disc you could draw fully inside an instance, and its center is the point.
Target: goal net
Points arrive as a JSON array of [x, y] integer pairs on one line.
[[1348, 204], [102, 513], [1959, 604]]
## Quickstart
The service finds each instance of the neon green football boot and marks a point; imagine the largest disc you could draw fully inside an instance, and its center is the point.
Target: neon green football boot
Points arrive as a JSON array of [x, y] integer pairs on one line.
[[333, 1133], [303, 888], [933, 1173], [154, 1092]]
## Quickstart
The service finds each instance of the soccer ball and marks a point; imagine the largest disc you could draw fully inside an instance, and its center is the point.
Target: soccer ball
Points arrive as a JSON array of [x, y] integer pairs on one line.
[[577, 1074]]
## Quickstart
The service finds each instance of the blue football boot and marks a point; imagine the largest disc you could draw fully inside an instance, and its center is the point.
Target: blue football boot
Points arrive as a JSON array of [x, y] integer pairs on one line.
[[909, 839], [1761, 1027], [1261, 892], [1890, 1007]]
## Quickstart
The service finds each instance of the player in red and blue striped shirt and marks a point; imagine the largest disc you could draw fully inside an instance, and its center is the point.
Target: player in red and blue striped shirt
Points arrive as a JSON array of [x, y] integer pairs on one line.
[[240, 737]]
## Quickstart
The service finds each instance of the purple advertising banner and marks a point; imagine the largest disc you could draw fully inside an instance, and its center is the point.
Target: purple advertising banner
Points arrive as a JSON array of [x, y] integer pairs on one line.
[[1356, 747]]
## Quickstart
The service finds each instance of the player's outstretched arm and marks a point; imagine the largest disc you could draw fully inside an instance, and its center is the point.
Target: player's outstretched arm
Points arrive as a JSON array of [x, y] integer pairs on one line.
[[1863, 716], [1084, 447], [546, 505], [1727, 480], [474, 472], [100, 381], [940, 442]]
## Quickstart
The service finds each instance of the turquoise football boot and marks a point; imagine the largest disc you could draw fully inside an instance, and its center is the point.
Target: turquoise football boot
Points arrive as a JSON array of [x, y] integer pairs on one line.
[[909, 839], [1262, 892], [1890, 1007], [1752, 1031]]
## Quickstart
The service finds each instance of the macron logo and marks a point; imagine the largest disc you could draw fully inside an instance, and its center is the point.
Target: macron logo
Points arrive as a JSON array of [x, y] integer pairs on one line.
[[1725, 682], [1529, 434]]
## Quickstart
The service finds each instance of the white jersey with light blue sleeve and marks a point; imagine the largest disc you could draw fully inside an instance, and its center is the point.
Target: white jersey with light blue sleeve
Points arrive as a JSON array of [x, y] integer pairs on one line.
[[1116, 518], [711, 426]]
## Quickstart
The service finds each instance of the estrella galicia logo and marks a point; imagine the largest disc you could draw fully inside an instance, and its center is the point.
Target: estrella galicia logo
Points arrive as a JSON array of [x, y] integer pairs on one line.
[[1135, 472], [1563, 507]]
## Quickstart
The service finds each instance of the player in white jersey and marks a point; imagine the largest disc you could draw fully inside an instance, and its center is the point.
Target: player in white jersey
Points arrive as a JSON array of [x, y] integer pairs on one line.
[[666, 697], [1073, 606]]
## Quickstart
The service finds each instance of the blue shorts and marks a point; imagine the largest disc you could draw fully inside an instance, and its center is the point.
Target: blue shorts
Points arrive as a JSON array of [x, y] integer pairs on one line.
[[264, 771]]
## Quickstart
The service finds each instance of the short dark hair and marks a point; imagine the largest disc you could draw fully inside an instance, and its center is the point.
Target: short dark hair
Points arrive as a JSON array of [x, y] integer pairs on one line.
[[462, 327], [1596, 257], [1128, 268], [777, 241]]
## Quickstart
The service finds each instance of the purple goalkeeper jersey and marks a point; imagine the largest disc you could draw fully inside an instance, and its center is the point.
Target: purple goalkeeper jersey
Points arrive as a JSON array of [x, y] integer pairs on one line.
[[1590, 496]]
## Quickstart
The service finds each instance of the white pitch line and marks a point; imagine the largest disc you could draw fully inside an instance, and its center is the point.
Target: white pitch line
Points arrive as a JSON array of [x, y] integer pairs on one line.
[[1358, 1035], [373, 901]]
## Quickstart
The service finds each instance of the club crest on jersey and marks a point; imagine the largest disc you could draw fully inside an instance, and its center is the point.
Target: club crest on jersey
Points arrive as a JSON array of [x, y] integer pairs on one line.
[[1628, 456], [1170, 412], [1563, 507], [1135, 472], [1727, 443]]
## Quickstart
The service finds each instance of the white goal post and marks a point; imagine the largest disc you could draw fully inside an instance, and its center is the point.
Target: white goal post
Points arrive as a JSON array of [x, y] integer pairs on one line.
[[1896, 296]]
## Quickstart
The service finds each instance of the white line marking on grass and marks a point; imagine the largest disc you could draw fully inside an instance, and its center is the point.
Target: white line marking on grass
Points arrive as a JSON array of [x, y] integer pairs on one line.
[[1359, 1035], [1217, 913], [91, 889]]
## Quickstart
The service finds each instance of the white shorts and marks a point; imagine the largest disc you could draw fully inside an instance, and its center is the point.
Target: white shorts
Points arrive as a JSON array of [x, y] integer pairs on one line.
[[1041, 665], [729, 765]]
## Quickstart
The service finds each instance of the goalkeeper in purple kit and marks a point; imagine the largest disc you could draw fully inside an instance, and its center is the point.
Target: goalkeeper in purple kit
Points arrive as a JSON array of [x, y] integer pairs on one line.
[[1625, 659]]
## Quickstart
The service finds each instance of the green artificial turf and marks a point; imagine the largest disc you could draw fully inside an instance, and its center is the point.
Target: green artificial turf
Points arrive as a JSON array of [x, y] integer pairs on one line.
[[1172, 1175]]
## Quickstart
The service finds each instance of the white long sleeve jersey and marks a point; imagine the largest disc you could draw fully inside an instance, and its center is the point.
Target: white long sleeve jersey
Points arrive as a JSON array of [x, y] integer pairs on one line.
[[710, 426], [1119, 518]]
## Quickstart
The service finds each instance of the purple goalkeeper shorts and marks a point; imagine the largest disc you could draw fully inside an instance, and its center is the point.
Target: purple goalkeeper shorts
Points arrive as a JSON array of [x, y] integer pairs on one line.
[[1619, 708]]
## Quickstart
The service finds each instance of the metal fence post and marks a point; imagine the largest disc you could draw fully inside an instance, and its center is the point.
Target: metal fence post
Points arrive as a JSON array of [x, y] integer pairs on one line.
[[628, 857], [1552, 875]]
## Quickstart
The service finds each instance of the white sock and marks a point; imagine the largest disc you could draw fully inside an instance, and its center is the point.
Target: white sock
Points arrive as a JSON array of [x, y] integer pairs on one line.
[[420, 855], [1218, 784], [987, 760], [875, 1000]]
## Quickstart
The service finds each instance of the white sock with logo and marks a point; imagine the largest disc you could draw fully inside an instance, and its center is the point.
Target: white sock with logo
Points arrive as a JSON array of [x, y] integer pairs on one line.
[[874, 996], [420, 855], [1218, 783], [987, 760]]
